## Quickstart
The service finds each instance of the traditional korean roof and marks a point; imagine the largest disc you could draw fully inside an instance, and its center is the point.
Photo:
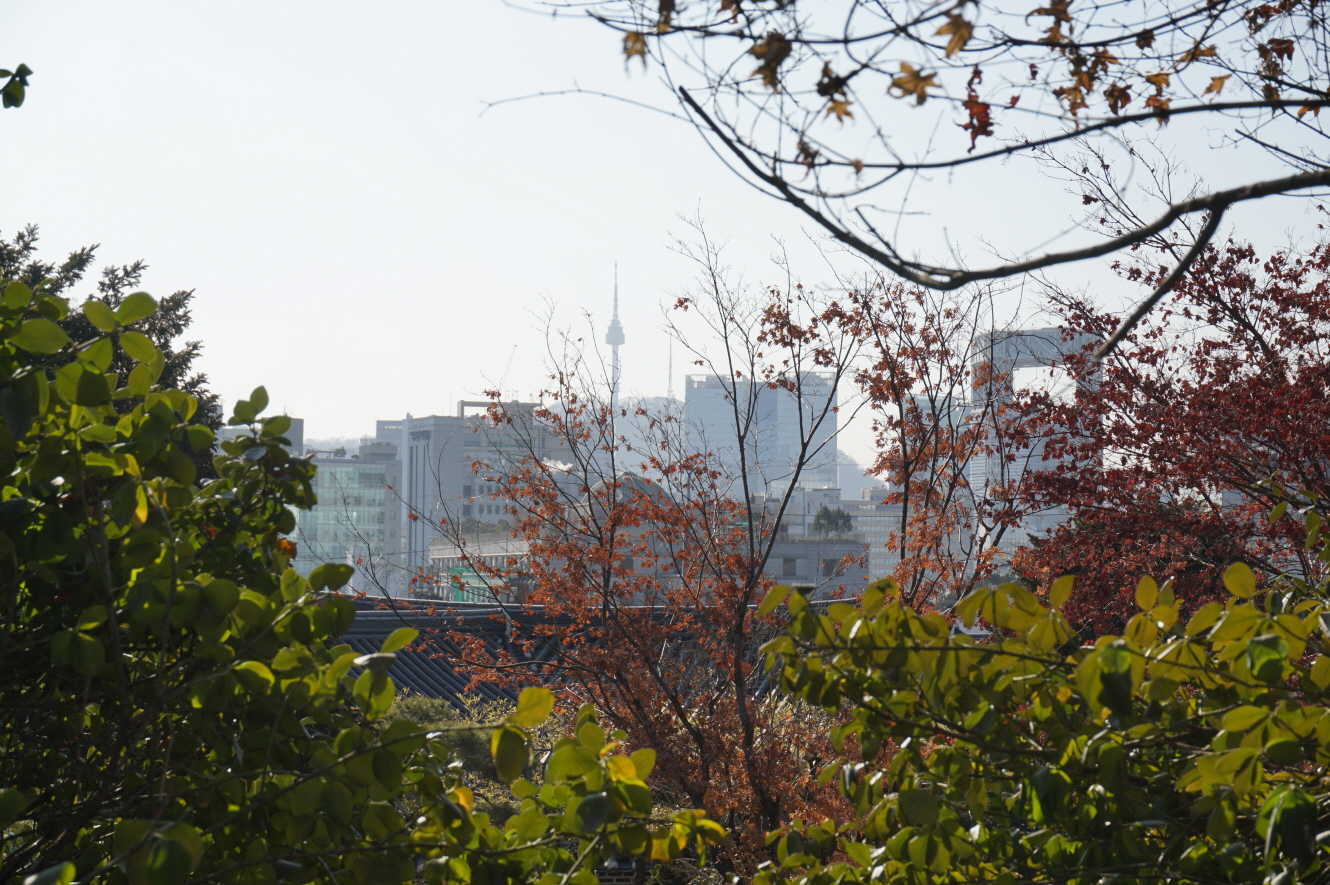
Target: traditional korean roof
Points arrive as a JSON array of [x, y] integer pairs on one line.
[[431, 670]]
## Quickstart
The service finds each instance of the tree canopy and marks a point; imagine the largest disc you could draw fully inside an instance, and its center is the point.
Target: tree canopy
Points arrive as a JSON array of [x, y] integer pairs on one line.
[[839, 109], [177, 705], [1182, 750]]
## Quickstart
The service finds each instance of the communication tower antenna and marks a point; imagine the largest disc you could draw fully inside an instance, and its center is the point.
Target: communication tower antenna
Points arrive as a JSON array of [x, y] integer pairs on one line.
[[614, 337], [669, 381]]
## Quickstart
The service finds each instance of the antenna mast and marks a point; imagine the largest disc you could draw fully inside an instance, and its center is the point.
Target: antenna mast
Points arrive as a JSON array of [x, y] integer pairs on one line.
[[669, 381], [614, 337]]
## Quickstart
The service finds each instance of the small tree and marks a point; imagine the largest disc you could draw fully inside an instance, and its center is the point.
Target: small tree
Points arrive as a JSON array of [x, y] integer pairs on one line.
[[832, 522], [642, 566]]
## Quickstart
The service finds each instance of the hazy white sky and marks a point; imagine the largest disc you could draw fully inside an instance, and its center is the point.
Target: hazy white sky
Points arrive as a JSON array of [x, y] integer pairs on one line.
[[362, 241]]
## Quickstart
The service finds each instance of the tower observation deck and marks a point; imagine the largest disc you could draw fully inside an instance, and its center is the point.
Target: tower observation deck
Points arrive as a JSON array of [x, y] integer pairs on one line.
[[614, 337]]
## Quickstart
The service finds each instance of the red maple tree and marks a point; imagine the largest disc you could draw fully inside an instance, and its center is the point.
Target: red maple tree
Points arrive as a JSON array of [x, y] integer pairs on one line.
[[641, 564], [1172, 455]]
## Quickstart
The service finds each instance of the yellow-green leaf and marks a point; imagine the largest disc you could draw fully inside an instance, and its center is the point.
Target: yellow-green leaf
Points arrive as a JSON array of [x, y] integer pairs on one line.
[[399, 639], [99, 315], [533, 707], [134, 308], [1240, 581], [775, 596], [1147, 593], [39, 336], [1060, 592]]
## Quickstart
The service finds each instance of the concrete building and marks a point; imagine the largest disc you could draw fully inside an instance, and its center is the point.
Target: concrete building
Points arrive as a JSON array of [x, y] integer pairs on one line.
[[357, 519], [296, 434], [872, 522], [774, 424], [451, 463], [997, 361]]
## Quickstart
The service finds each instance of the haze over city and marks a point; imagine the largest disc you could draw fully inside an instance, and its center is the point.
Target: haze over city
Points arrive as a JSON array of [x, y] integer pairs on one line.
[[333, 168]]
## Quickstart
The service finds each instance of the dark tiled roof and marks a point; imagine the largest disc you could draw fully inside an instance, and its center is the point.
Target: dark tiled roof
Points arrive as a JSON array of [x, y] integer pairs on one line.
[[430, 671]]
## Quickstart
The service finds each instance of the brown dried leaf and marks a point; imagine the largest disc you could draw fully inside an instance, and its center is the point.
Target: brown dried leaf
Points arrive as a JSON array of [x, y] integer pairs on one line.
[[1118, 96], [1216, 85], [772, 49], [635, 44], [960, 31], [911, 81], [841, 108]]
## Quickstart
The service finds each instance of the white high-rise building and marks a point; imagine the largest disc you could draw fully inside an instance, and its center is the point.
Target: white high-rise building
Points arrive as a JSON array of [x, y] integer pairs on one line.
[[440, 478], [760, 431]]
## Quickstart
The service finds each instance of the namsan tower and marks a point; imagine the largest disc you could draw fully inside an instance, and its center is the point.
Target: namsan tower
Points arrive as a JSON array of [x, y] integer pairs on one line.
[[614, 337]]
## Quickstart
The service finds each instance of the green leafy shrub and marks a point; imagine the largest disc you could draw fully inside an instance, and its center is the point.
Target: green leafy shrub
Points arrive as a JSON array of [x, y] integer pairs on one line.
[[177, 707], [1182, 751]]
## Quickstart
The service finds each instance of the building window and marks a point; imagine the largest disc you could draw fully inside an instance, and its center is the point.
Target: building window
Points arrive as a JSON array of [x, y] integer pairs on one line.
[[789, 567]]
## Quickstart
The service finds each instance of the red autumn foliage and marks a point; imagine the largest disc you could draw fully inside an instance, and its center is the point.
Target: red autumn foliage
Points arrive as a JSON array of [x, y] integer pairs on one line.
[[642, 569], [1164, 462]]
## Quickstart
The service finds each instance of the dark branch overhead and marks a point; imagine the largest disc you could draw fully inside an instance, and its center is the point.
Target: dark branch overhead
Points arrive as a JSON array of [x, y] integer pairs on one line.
[[837, 110]]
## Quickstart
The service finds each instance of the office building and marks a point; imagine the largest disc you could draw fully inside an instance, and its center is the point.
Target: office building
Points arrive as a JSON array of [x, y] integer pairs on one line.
[[454, 464], [774, 424], [357, 519]]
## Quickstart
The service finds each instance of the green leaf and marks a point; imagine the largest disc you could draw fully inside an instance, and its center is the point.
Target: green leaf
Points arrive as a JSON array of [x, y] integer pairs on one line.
[[39, 336], [93, 617], [86, 654], [1060, 592], [17, 295], [374, 693], [967, 609], [259, 399], [399, 639], [1266, 656], [140, 380], [139, 346], [134, 308], [1288, 821], [99, 315], [12, 804], [568, 761], [775, 596], [920, 806], [99, 353], [330, 575], [592, 812], [533, 707], [509, 748], [1240, 581], [644, 760], [243, 413], [1244, 717], [1147, 594], [255, 676], [60, 874]]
